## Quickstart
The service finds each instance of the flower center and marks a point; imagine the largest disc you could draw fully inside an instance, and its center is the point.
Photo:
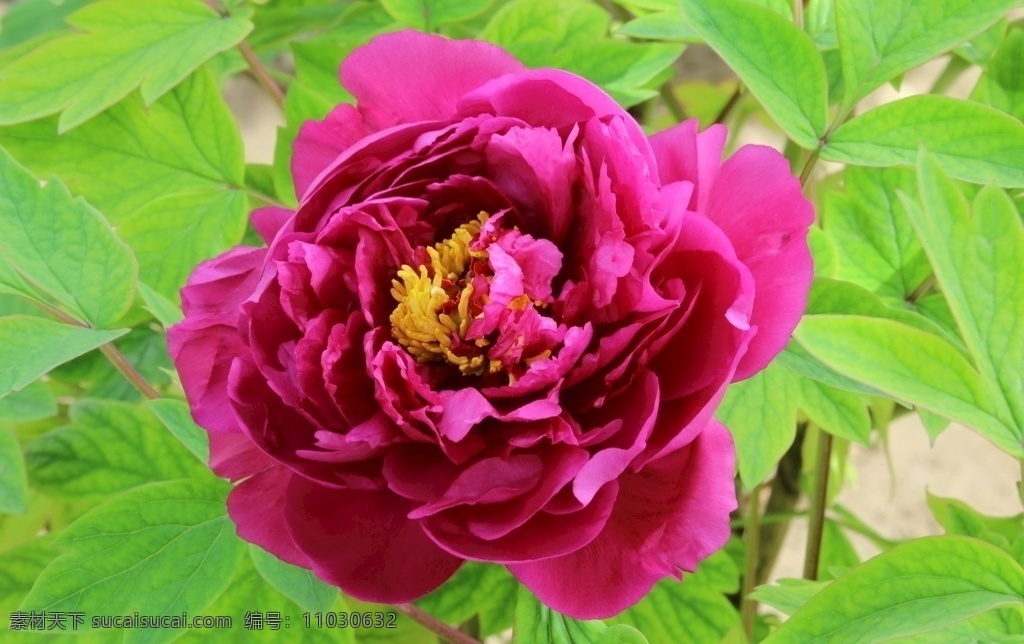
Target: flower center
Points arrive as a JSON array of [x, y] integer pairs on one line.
[[435, 303], [474, 301]]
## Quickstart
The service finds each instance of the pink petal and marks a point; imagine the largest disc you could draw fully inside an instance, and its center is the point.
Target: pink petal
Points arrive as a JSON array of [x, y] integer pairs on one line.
[[683, 154], [408, 76], [268, 221], [362, 542], [202, 354], [257, 506], [319, 143], [760, 206], [672, 514]]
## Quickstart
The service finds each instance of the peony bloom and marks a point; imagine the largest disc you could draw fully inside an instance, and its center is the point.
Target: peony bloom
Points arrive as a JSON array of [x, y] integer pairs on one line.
[[496, 329]]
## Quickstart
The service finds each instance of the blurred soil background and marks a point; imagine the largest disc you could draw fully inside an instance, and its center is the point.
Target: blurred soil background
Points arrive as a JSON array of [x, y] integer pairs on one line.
[[960, 464]]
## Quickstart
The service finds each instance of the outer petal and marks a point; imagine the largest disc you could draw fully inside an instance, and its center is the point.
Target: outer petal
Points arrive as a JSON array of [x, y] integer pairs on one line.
[[672, 514], [257, 507], [319, 143], [362, 542], [684, 154], [760, 207], [409, 76]]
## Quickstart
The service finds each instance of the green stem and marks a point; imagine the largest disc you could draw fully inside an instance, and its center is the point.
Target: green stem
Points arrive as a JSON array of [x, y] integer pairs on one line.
[[262, 75], [431, 623], [675, 108], [752, 539], [112, 353], [785, 494], [729, 105], [819, 500]]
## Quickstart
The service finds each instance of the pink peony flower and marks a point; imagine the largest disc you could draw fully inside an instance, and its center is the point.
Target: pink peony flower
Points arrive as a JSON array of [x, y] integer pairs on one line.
[[495, 329]]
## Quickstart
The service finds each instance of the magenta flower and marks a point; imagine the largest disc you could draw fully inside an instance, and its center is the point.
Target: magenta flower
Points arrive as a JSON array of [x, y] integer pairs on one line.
[[495, 329]]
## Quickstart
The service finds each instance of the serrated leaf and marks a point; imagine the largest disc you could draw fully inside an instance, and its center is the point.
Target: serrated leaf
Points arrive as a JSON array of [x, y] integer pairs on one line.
[[535, 622], [109, 447], [118, 47], [969, 141], [914, 588], [876, 244], [908, 364], [64, 247], [778, 62], [32, 346], [956, 517], [976, 254], [1002, 84], [297, 584], [175, 416], [482, 589], [34, 402], [427, 15], [159, 549], [13, 483], [881, 39]]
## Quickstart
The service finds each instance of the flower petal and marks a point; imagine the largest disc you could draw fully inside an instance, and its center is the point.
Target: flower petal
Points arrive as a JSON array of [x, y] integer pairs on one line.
[[257, 506], [409, 76], [362, 542], [319, 143], [672, 514]]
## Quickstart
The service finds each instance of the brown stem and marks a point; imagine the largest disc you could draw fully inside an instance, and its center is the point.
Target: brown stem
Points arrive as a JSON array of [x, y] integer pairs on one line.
[[784, 495], [921, 289], [816, 526], [675, 108], [263, 77], [729, 105], [431, 623], [113, 354], [752, 539], [798, 13]]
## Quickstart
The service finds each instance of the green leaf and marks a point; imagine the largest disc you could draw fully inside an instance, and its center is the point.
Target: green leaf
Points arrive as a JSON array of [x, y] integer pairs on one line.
[[64, 247], [22, 566], [166, 312], [118, 47], [249, 593], [535, 622], [956, 517], [694, 610], [908, 364], [159, 549], [664, 25], [881, 39], [427, 15], [34, 402], [13, 483], [976, 254], [298, 584], [796, 358], [970, 141], [31, 18], [761, 414], [31, 346], [574, 36], [108, 447], [1002, 84], [789, 595], [171, 235], [778, 62], [482, 589], [914, 588], [876, 244], [175, 416], [169, 176]]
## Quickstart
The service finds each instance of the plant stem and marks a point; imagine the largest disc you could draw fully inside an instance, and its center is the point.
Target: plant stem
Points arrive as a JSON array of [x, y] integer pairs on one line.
[[431, 623], [112, 353], [675, 108], [729, 105], [798, 13], [752, 539], [922, 289], [784, 495], [263, 77], [819, 500]]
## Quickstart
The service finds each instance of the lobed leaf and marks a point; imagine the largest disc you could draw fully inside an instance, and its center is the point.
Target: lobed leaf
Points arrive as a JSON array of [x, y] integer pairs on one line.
[[297, 584], [535, 622], [1002, 84], [775, 59], [119, 46], [969, 141], [13, 483]]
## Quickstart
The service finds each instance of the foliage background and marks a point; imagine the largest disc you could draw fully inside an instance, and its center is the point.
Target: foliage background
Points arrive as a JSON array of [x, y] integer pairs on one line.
[[79, 455]]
